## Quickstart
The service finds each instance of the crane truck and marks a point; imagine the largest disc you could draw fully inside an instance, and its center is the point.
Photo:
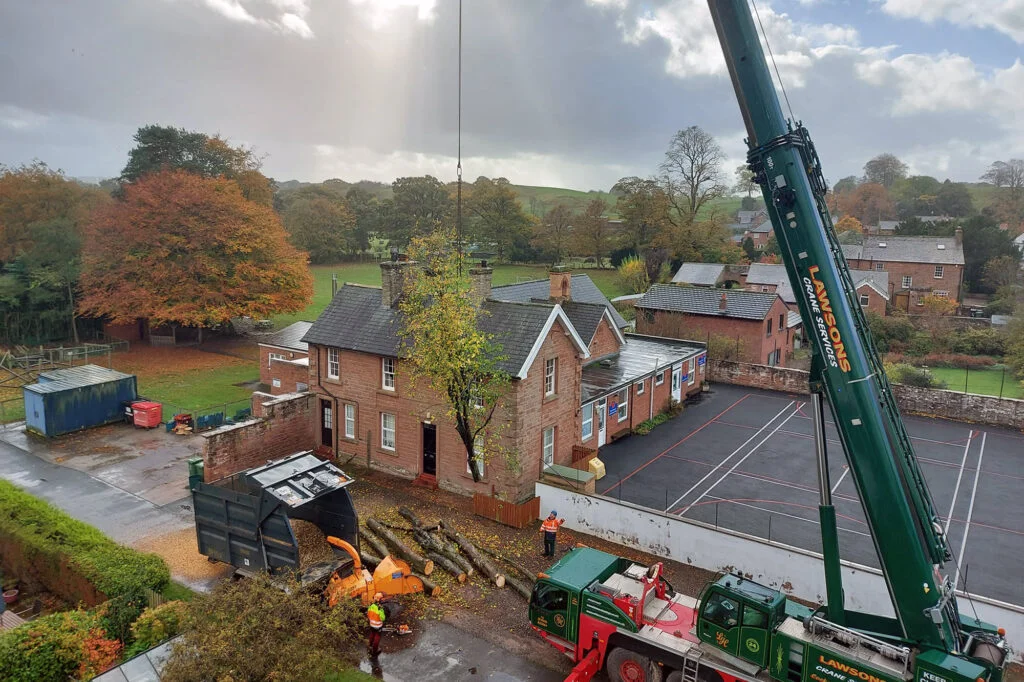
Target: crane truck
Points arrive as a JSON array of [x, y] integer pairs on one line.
[[607, 612]]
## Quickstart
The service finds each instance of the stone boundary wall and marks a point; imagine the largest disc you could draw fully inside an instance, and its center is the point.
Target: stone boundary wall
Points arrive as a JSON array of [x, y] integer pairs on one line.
[[929, 402], [282, 425]]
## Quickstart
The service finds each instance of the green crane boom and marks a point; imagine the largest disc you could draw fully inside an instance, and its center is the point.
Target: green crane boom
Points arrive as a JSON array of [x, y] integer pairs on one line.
[[904, 526]]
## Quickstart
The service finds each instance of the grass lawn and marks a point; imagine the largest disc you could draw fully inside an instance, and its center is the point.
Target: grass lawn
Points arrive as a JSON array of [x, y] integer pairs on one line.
[[369, 274], [188, 378], [980, 381], [350, 675]]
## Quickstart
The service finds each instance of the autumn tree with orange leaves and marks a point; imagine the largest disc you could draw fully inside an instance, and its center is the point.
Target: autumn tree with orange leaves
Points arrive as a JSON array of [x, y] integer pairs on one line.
[[189, 250]]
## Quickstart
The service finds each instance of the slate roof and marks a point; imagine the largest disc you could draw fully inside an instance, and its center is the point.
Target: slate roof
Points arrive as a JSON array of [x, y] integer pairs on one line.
[[747, 217], [639, 357], [355, 320], [879, 281], [290, 337], [793, 319], [767, 273], [888, 225], [748, 305], [699, 274], [907, 250], [516, 327], [583, 290], [585, 317], [765, 227]]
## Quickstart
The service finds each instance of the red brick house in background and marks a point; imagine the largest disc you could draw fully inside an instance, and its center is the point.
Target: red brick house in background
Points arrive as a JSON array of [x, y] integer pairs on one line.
[[872, 286], [284, 360], [577, 380], [916, 266], [761, 323]]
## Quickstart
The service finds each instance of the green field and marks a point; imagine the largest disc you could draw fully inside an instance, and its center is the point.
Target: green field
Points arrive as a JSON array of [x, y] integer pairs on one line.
[[981, 381], [369, 274]]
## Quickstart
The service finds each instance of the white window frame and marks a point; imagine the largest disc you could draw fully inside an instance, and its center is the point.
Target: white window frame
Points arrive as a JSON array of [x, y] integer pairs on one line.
[[478, 403], [333, 363], [350, 420], [301, 387], [879, 267], [550, 376], [548, 449], [274, 356], [478, 450], [907, 281], [639, 386], [660, 378], [765, 289], [587, 431], [276, 383], [691, 372], [864, 299], [939, 271], [387, 374], [384, 431], [623, 408], [940, 293]]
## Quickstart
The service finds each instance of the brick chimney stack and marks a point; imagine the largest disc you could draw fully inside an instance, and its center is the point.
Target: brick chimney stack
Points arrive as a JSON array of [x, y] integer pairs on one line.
[[480, 276], [560, 284], [959, 233], [723, 303], [393, 275]]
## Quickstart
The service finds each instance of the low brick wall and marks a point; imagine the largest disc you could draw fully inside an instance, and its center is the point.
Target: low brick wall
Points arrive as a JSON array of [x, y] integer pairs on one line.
[[53, 572], [930, 402], [282, 425]]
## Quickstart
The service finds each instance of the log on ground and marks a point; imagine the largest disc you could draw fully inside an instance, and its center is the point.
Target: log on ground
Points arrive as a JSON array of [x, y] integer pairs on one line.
[[478, 559], [447, 565], [418, 562]]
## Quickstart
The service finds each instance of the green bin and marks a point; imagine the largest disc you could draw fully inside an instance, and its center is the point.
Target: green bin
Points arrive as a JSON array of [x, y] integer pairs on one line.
[[196, 471]]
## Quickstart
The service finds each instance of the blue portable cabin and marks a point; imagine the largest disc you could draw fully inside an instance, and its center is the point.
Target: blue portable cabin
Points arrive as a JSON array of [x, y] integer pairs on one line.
[[76, 398]]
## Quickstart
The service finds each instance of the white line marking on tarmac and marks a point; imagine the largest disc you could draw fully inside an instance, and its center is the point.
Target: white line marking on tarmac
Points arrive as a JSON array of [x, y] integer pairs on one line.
[[743, 445], [970, 511], [959, 476], [846, 470], [738, 462], [784, 514]]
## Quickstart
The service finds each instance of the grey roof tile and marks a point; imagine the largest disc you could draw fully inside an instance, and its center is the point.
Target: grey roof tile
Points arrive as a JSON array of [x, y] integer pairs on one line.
[[749, 305], [585, 317], [765, 227], [290, 337], [767, 273], [583, 290], [355, 320], [907, 250], [700, 274], [879, 280]]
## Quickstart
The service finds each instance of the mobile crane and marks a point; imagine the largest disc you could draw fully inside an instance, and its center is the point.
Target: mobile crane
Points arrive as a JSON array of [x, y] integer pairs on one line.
[[607, 612]]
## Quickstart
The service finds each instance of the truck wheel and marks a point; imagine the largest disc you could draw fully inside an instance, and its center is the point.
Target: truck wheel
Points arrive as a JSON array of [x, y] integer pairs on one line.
[[675, 676], [624, 665]]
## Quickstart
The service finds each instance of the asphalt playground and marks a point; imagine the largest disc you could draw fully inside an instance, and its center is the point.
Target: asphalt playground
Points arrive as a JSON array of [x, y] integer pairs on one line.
[[743, 459]]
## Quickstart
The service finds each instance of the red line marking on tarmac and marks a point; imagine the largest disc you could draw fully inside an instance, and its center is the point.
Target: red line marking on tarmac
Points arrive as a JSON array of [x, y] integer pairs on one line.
[[785, 504], [673, 447]]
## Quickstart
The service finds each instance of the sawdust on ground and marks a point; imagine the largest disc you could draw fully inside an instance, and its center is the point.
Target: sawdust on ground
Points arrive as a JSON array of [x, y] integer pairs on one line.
[[180, 551]]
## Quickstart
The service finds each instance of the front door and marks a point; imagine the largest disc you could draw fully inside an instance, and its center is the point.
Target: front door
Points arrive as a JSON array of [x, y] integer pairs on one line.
[[753, 640], [601, 410], [326, 423], [677, 383], [430, 449]]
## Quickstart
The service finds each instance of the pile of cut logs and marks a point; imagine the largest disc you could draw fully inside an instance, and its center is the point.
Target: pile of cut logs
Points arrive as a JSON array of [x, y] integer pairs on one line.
[[442, 547]]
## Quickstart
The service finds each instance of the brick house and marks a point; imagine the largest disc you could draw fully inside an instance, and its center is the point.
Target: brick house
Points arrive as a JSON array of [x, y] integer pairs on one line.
[[872, 286], [760, 234], [284, 360], [761, 324], [573, 374], [916, 266]]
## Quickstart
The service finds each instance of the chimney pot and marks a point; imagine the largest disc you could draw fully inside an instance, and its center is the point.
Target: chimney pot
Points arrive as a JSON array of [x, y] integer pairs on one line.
[[723, 303]]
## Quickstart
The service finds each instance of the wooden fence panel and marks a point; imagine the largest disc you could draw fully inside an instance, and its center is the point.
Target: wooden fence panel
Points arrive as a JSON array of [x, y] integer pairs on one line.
[[507, 513]]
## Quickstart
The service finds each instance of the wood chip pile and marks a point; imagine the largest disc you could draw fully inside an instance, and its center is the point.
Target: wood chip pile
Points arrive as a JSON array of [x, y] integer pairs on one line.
[[312, 541]]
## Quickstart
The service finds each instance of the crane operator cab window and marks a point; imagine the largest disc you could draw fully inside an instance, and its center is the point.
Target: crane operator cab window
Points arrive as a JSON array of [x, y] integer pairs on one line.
[[549, 608], [735, 627]]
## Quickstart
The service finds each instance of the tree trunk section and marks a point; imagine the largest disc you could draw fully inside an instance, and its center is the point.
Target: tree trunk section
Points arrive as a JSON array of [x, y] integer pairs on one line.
[[424, 566], [410, 515], [375, 542], [531, 576], [369, 561], [430, 588], [433, 546], [448, 565], [478, 559], [522, 588]]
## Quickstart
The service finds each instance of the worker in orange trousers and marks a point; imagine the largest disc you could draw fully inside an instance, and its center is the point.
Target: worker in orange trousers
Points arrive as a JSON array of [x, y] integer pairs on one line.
[[550, 527]]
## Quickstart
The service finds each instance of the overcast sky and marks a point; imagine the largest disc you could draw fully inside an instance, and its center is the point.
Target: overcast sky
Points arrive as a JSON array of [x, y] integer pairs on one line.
[[574, 93]]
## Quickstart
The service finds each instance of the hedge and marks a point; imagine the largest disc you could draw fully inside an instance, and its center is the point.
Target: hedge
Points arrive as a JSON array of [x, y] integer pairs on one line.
[[50, 534], [56, 648]]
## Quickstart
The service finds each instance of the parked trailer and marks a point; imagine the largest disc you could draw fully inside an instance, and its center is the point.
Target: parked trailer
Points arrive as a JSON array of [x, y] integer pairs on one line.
[[243, 520]]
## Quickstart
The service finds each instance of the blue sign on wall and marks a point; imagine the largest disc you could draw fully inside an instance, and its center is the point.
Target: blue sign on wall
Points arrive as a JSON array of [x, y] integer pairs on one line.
[[613, 409], [702, 359], [684, 378]]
